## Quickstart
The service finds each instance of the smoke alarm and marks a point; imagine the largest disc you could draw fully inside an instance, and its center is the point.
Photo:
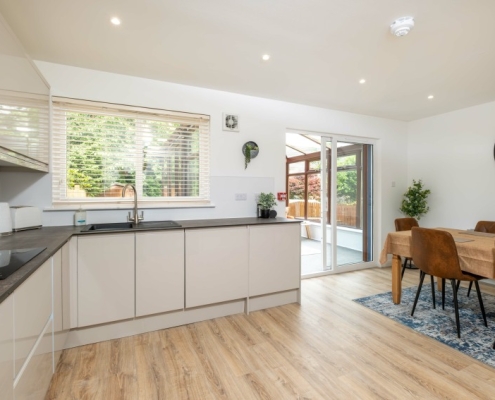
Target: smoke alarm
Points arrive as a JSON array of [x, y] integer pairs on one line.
[[402, 26]]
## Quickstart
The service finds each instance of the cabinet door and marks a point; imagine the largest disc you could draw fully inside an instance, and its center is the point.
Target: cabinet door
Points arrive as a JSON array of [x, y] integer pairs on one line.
[[274, 258], [60, 300], [66, 306], [159, 272], [105, 284], [216, 265], [34, 380], [32, 310], [7, 348], [57, 304]]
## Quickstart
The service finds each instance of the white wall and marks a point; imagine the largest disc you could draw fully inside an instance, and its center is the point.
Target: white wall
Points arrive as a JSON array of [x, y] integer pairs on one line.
[[261, 120], [453, 154]]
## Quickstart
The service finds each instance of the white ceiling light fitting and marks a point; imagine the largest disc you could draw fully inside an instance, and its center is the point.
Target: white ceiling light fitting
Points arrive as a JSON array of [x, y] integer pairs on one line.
[[402, 26], [362, 81], [266, 57], [115, 20]]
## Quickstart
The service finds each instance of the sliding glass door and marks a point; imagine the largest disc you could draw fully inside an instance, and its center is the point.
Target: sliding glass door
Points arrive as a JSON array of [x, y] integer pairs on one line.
[[330, 188]]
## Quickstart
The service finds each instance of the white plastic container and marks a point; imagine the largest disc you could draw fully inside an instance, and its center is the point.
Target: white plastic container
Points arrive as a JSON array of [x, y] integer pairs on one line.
[[80, 217]]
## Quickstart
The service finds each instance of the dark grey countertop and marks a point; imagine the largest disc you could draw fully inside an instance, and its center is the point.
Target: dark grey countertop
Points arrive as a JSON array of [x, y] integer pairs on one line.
[[53, 238]]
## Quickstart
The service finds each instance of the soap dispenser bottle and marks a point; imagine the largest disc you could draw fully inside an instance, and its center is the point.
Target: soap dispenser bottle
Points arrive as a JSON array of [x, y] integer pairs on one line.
[[80, 217]]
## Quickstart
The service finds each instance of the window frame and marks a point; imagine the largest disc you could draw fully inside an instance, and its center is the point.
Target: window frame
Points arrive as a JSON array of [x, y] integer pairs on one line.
[[59, 162]]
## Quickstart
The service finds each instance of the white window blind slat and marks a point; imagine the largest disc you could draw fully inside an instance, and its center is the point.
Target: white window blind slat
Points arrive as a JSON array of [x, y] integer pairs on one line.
[[24, 124], [99, 147]]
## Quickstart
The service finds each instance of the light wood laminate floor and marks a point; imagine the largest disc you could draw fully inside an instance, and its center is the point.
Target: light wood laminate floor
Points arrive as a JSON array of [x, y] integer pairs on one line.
[[327, 348]]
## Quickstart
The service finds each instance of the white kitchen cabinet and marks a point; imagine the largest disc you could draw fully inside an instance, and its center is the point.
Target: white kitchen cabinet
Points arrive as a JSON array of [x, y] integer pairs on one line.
[[105, 284], [274, 258], [61, 307], [66, 282], [24, 128], [159, 272], [57, 305], [32, 310], [34, 380], [216, 265], [7, 348]]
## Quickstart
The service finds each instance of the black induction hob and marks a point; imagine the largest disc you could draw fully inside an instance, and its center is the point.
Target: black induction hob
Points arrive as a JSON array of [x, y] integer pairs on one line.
[[12, 260]]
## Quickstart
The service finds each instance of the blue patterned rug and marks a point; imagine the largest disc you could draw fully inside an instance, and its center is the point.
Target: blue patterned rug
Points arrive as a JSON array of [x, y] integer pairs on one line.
[[476, 340]]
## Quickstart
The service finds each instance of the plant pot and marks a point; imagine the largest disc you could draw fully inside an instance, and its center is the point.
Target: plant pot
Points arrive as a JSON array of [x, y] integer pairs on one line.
[[265, 213]]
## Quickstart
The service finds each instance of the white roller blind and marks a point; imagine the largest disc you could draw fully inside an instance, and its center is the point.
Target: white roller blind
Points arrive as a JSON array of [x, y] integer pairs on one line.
[[24, 124], [100, 147]]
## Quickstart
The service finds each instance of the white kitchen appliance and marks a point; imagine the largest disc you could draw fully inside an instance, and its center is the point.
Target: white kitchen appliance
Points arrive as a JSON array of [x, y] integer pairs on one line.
[[5, 220], [25, 217]]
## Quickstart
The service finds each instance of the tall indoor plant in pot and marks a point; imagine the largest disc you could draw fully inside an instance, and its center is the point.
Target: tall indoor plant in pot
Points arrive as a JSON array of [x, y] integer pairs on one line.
[[415, 203], [265, 203]]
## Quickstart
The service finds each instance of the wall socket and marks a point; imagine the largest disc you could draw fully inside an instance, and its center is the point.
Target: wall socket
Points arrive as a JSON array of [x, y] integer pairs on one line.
[[240, 196]]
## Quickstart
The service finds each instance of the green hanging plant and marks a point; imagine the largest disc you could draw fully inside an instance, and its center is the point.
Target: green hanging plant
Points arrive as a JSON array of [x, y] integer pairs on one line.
[[250, 150], [415, 203]]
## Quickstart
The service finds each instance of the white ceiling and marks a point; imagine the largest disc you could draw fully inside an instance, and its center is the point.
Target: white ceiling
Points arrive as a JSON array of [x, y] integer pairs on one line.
[[319, 48]]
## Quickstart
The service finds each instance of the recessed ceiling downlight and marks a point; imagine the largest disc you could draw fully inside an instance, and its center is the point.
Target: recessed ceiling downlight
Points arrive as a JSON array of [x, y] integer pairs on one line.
[[402, 26], [115, 20], [266, 57], [362, 81], [430, 97]]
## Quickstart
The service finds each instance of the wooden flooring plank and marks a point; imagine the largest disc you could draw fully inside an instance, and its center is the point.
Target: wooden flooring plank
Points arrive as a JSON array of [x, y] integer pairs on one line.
[[329, 347]]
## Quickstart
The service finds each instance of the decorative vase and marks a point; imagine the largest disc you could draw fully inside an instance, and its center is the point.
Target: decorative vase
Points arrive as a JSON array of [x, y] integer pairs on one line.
[[265, 213]]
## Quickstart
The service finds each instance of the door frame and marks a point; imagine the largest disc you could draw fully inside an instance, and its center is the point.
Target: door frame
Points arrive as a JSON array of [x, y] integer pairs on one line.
[[334, 139]]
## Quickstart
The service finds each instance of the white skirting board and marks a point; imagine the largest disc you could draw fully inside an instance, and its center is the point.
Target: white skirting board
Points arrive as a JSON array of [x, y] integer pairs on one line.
[[130, 327]]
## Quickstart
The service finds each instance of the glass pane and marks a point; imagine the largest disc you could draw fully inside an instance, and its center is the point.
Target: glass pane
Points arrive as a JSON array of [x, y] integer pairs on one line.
[[170, 159], [301, 143], [343, 160], [314, 197], [315, 165], [100, 154], [354, 196], [292, 153], [105, 152], [297, 167], [296, 196], [347, 197]]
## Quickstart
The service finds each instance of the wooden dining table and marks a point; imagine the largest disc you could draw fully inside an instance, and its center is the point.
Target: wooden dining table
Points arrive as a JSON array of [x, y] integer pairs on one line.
[[476, 254]]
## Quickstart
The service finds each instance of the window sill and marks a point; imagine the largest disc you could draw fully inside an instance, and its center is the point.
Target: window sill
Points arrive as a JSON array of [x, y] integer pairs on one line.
[[126, 206]]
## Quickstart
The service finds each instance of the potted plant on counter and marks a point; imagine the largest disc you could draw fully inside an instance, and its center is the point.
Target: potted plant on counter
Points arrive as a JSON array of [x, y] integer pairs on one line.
[[415, 203], [265, 203]]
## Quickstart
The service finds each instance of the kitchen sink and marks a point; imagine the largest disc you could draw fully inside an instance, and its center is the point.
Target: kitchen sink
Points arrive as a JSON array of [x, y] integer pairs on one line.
[[124, 226], [108, 227]]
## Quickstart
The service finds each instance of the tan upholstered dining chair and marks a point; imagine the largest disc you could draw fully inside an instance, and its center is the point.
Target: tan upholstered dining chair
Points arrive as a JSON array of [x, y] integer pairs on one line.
[[485, 227], [405, 224], [435, 253]]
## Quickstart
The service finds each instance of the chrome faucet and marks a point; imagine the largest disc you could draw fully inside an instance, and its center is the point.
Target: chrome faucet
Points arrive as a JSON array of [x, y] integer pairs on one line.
[[135, 218]]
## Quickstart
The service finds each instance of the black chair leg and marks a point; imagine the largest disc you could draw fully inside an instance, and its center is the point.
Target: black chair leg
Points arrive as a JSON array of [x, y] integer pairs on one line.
[[421, 279], [481, 301], [470, 286], [457, 286], [456, 307], [443, 293], [433, 291], [404, 268]]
